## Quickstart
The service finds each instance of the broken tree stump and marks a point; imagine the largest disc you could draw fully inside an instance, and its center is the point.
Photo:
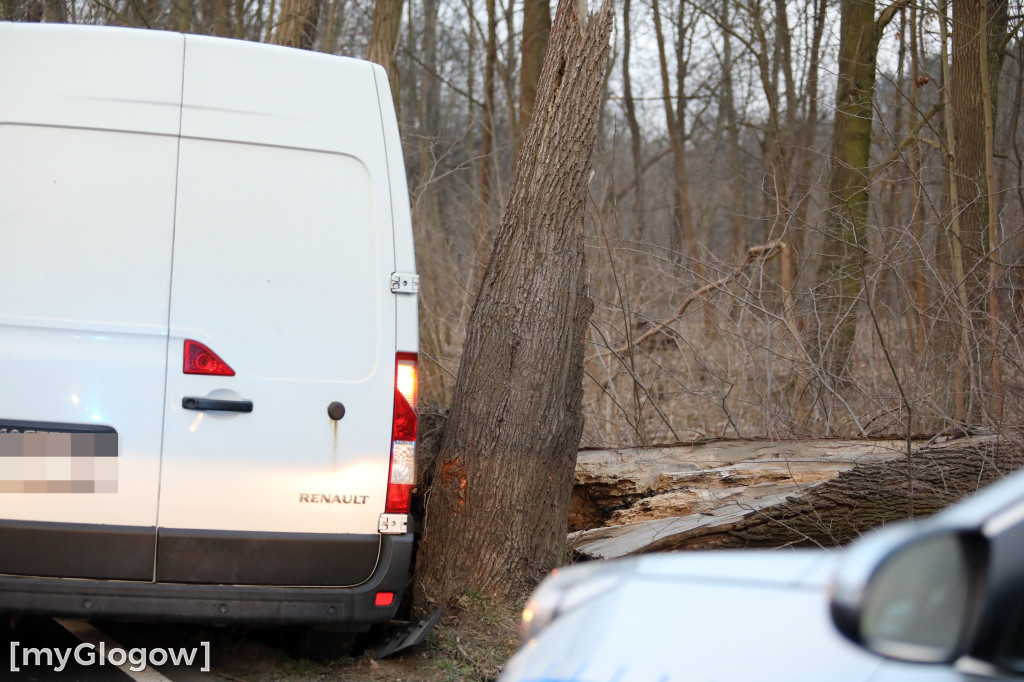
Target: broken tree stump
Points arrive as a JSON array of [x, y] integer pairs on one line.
[[735, 493]]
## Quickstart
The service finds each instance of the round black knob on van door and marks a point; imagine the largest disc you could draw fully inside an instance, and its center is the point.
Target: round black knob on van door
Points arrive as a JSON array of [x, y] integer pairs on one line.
[[335, 410]]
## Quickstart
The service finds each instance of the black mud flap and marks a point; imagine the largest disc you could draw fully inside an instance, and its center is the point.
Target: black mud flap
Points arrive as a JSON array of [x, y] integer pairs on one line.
[[391, 639]]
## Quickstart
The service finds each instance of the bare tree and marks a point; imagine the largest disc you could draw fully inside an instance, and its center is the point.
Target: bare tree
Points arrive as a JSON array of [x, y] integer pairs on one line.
[[497, 511], [635, 137], [387, 19], [729, 123], [682, 232], [297, 24], [979, 31], [841, 274], [536, 27], [487, 127]]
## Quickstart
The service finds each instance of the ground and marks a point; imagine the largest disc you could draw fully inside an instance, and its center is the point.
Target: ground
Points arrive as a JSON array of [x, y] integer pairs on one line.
[[471, 643]]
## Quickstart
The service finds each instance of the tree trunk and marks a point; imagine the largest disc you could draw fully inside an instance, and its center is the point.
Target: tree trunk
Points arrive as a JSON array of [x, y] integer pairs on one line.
[[55, 12], [955, 336], [487, 132], [497, 510], [729, 121], [427, 206], [536, 28], [296, 27], [636, 141], [508, 82], [921, 299], [775, 177], [840, 276], [971, 78], [681, 236], [733, 493], [970, 203], [387, 19], [783, 37], [989, 99], [430, 84], [810, 129]]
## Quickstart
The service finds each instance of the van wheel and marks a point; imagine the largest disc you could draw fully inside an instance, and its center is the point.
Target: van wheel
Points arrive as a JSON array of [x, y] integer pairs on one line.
[[319, 645]]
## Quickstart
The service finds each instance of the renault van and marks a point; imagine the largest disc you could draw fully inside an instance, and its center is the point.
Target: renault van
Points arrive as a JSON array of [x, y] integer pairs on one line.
[[208, 331]]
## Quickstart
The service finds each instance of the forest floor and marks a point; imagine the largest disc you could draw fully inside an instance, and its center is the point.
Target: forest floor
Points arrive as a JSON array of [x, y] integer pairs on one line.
[[470, 643]]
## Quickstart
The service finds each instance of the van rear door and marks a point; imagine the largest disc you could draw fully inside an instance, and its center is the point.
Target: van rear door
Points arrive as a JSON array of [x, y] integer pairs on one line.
[[282, 255], [88, 140]]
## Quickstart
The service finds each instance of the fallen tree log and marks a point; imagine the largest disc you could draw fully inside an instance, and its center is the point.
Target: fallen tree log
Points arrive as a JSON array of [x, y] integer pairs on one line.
[[731, 494]]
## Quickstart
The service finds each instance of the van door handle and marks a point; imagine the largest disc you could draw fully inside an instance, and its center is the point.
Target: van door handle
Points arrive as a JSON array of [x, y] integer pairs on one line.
[[214, 405]]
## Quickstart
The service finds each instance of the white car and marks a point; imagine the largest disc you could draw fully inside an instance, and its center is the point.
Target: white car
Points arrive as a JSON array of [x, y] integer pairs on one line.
[[939, 600]]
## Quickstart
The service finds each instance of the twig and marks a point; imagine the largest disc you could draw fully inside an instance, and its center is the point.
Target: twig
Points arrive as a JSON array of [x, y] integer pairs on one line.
[[755, 254]]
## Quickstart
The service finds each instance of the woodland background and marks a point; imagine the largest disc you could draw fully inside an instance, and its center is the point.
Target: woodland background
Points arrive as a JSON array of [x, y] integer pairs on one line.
[[806, 217]]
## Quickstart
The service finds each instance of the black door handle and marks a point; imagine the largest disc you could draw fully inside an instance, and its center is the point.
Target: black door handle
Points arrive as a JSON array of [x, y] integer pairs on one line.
[[214, 405]]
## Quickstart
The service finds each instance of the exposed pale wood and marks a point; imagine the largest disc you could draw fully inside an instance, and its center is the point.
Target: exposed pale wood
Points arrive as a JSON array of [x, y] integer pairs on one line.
[[760, 493]]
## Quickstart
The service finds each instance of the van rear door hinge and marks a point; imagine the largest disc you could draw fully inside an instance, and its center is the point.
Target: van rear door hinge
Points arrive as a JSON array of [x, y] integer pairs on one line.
[[404, 283], [393, 524]]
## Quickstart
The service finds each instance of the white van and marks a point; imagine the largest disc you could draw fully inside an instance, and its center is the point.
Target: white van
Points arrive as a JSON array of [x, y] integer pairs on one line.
[[208, 331]]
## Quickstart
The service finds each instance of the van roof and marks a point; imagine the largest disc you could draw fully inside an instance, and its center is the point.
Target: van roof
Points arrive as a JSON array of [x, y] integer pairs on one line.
[[168, 83]]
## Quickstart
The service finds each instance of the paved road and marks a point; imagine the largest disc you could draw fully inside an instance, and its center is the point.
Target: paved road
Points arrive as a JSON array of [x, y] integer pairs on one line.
[[61, 639]]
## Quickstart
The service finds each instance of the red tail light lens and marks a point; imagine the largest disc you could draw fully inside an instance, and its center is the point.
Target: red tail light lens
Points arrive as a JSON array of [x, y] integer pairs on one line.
[[201, 360], [404, 424], [402, 474]]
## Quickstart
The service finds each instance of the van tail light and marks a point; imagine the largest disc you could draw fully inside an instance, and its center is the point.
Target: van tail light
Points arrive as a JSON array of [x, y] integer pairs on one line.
[[402, 474], [201, 360]]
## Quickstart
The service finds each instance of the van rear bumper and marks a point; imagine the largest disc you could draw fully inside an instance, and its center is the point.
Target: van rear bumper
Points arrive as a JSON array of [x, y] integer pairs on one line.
[[223, 604]]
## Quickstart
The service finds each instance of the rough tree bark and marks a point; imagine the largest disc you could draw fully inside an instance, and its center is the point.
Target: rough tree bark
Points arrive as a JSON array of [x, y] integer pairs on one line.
[[635, 138], [296, 26], [387, 19], [728, 121], [741, 493], [487, 133], [497, 509], [921, 298], [681, 236], [802, 190], [536, 28], [840, 275], [979, 28], [216, 19]]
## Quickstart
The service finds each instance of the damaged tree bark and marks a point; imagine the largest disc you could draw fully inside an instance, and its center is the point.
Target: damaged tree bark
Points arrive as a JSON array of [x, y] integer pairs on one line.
[[735, 494], [497, 508]]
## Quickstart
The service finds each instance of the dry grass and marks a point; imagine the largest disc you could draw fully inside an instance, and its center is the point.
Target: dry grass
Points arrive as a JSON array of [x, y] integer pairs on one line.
[[470, 644], [738, 363]]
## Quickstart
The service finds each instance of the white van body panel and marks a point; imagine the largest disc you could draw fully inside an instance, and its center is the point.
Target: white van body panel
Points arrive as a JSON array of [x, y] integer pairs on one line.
[[407, 327], [131, 81], [89, 158], [282, 257], [252, 198], [301, 326]]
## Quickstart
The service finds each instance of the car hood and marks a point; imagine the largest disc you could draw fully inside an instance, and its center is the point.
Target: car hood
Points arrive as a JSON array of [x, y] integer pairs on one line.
[[796, 569], [749, 616]]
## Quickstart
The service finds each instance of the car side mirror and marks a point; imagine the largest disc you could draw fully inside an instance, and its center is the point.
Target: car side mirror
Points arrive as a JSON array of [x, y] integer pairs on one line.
[[909, 593]]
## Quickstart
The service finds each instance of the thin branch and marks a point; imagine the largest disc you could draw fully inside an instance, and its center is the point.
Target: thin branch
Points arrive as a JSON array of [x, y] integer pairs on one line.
[[755, 254]]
